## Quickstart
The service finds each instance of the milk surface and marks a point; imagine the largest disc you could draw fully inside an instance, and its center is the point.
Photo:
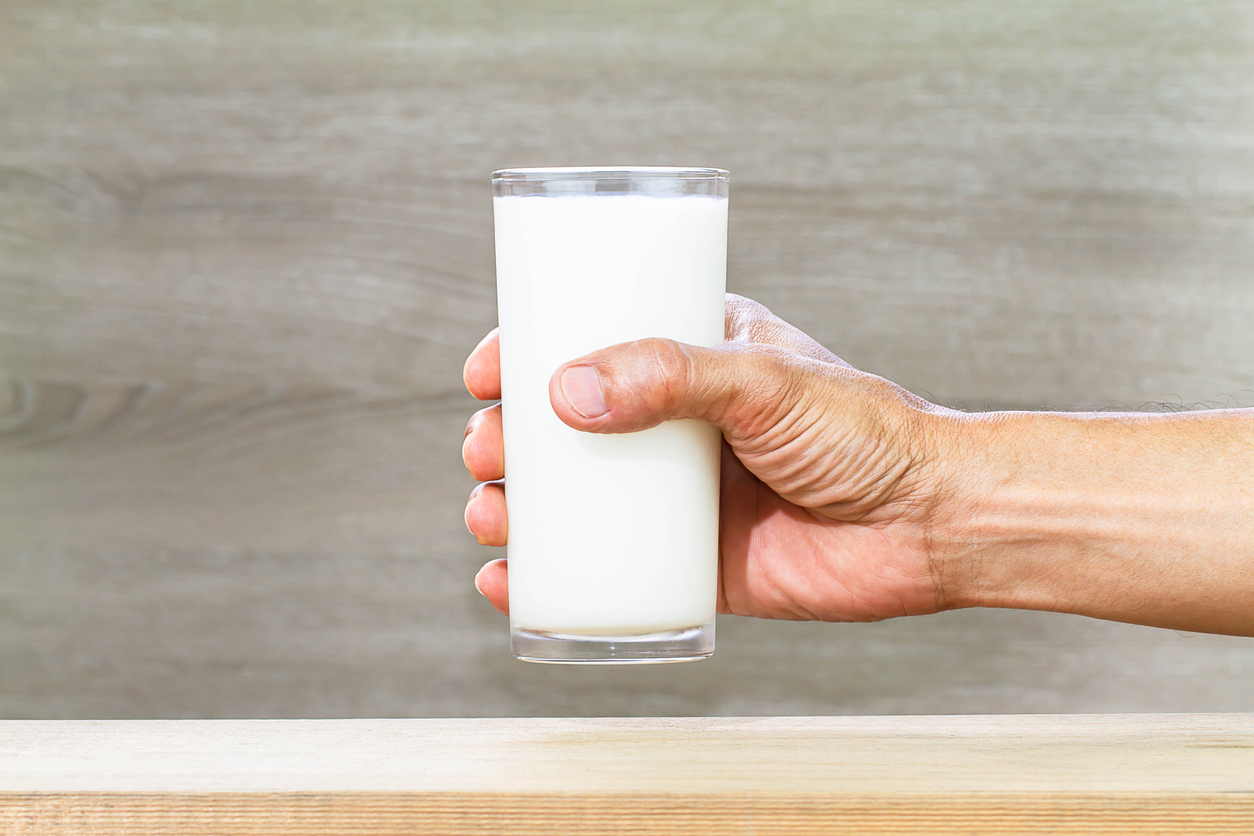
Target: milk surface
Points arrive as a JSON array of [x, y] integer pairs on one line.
[[608, 534]]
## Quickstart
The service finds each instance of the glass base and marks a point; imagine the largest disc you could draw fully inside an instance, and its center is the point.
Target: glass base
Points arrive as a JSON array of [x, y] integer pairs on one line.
[[683, 645]]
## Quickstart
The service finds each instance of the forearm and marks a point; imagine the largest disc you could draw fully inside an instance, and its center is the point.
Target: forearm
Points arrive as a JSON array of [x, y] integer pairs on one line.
[[1140, 518]]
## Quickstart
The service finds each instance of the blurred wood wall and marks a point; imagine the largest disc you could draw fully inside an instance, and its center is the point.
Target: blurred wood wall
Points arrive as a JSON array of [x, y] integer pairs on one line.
[[245, 247]]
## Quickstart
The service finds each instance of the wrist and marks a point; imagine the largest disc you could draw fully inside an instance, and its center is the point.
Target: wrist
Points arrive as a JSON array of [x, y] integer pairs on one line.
[[942, 494], [973, 466]]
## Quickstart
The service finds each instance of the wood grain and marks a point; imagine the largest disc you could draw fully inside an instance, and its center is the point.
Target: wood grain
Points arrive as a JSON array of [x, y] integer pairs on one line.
[[976, 775], [244, 249], [655, 814]]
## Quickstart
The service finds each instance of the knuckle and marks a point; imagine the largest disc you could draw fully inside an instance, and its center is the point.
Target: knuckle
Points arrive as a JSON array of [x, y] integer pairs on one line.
[[744, 317], [671, 368]]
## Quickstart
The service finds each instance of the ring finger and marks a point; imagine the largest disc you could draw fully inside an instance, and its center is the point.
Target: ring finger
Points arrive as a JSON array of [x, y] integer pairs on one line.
[[486, 516]]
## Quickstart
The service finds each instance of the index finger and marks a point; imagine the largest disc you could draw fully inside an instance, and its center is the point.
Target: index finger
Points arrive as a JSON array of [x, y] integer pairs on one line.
[[482, 373], [745, 319]]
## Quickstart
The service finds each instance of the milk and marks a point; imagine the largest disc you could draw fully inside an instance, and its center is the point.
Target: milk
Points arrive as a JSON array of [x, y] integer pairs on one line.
[[609, 535]]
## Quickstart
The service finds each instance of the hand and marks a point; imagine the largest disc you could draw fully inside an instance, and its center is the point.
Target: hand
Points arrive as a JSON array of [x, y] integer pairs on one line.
[[830, 475]]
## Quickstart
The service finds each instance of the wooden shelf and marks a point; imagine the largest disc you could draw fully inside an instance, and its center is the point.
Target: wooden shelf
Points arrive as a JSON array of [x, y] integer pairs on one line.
[[936, 775]]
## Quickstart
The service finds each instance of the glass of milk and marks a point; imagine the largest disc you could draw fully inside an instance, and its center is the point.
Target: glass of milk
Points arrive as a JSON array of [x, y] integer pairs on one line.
[[613, 539]]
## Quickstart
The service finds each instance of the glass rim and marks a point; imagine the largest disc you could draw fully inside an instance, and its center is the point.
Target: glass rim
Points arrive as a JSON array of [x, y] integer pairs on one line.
[[622, 172]]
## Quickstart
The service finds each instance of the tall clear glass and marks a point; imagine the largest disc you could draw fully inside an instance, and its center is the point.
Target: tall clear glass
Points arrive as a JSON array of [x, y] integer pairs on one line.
[[613, 539]]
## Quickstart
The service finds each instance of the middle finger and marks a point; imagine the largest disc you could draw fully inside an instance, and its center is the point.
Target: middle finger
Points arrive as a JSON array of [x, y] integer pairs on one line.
[[483, 447]]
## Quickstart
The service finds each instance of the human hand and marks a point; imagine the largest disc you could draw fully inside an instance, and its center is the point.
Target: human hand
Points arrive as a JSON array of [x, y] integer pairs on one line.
[[831, 476]]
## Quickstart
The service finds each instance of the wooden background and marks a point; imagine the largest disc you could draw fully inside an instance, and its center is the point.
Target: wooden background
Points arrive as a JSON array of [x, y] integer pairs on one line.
[[244, 248]]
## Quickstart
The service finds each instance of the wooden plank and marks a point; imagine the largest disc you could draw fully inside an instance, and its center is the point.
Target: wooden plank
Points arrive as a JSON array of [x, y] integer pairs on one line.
[[452, 814], [244, 249], [1005, 774]]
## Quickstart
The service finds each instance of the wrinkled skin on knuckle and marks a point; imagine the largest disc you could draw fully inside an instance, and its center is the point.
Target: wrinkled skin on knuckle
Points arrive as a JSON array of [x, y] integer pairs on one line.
[[740, 316], [748, 321], [668, 371]]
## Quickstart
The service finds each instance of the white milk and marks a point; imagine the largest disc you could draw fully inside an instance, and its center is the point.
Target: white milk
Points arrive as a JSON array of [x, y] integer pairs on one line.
[[609, 535]]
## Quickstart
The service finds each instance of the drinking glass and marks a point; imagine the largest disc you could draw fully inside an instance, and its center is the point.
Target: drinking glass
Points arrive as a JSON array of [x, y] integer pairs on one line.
[[613, 538]]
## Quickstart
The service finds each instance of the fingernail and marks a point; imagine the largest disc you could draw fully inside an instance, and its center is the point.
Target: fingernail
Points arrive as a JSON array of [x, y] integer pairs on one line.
[[582, 388], [477, 586]]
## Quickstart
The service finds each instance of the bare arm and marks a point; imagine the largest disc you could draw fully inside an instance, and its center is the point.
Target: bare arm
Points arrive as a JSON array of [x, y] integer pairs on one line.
[[1140, 518]]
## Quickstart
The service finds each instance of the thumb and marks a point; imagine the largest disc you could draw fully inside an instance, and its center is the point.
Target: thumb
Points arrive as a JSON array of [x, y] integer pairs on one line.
[[740, 387]]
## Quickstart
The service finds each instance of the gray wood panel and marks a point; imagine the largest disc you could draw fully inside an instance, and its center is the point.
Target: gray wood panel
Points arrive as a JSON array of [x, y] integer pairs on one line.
[[244, 249]]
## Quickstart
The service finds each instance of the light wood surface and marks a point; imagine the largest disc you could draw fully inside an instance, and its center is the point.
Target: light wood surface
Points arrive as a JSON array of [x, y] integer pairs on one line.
[[972, 775], [244, 248]]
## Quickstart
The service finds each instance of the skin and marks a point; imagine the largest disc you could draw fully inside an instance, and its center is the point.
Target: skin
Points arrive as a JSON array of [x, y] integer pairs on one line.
[[846, 498]]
